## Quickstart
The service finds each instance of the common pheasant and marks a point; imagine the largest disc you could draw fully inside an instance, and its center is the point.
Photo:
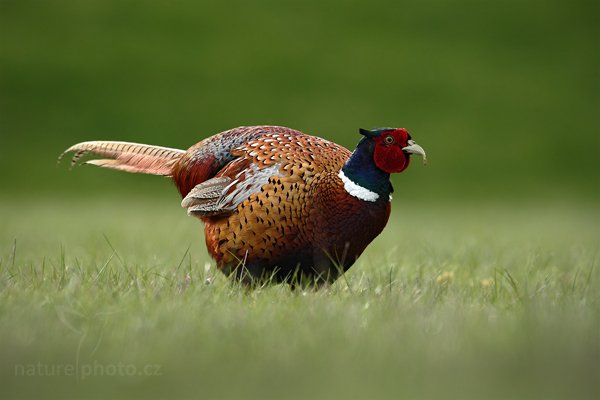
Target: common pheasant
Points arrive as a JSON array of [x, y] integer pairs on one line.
[[276, 203]]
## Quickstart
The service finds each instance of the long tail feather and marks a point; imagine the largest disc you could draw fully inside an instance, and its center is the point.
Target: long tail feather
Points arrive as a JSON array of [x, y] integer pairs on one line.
[[124, 156]]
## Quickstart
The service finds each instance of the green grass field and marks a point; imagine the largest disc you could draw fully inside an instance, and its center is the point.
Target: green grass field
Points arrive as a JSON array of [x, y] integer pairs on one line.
[[460, 301]]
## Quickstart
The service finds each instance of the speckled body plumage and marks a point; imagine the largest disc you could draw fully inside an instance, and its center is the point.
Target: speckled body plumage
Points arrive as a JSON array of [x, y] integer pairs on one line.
[[301, 218], [273, 201]]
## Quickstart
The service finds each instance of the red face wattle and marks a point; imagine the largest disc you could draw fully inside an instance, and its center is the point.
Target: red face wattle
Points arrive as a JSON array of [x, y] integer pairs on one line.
[[389, 154]]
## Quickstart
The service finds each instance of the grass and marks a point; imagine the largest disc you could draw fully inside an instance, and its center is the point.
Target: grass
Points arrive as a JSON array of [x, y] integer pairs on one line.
[[464, 301]]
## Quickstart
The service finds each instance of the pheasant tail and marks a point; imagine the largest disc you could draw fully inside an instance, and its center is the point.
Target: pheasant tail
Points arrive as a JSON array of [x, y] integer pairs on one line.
[[124, 156]]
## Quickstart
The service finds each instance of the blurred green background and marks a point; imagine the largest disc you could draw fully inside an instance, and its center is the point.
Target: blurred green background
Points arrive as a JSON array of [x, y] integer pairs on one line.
[[503, 95]]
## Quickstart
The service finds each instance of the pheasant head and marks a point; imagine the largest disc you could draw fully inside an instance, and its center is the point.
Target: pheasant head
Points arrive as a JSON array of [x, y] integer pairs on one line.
[[379, 153], [392, 148]]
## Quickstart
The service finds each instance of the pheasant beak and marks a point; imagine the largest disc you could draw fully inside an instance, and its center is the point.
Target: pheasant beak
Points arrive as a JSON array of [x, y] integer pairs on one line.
[[414, 148]]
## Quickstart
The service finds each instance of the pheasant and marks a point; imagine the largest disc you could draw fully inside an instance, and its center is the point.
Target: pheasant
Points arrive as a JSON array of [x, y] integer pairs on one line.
[[277, 204]]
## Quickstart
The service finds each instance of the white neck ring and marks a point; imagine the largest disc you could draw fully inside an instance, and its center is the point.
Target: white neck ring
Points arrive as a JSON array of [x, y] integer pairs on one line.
[[355, 190]]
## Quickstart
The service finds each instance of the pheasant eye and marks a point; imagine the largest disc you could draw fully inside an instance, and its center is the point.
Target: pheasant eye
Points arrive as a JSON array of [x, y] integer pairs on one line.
[[388, 139]]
